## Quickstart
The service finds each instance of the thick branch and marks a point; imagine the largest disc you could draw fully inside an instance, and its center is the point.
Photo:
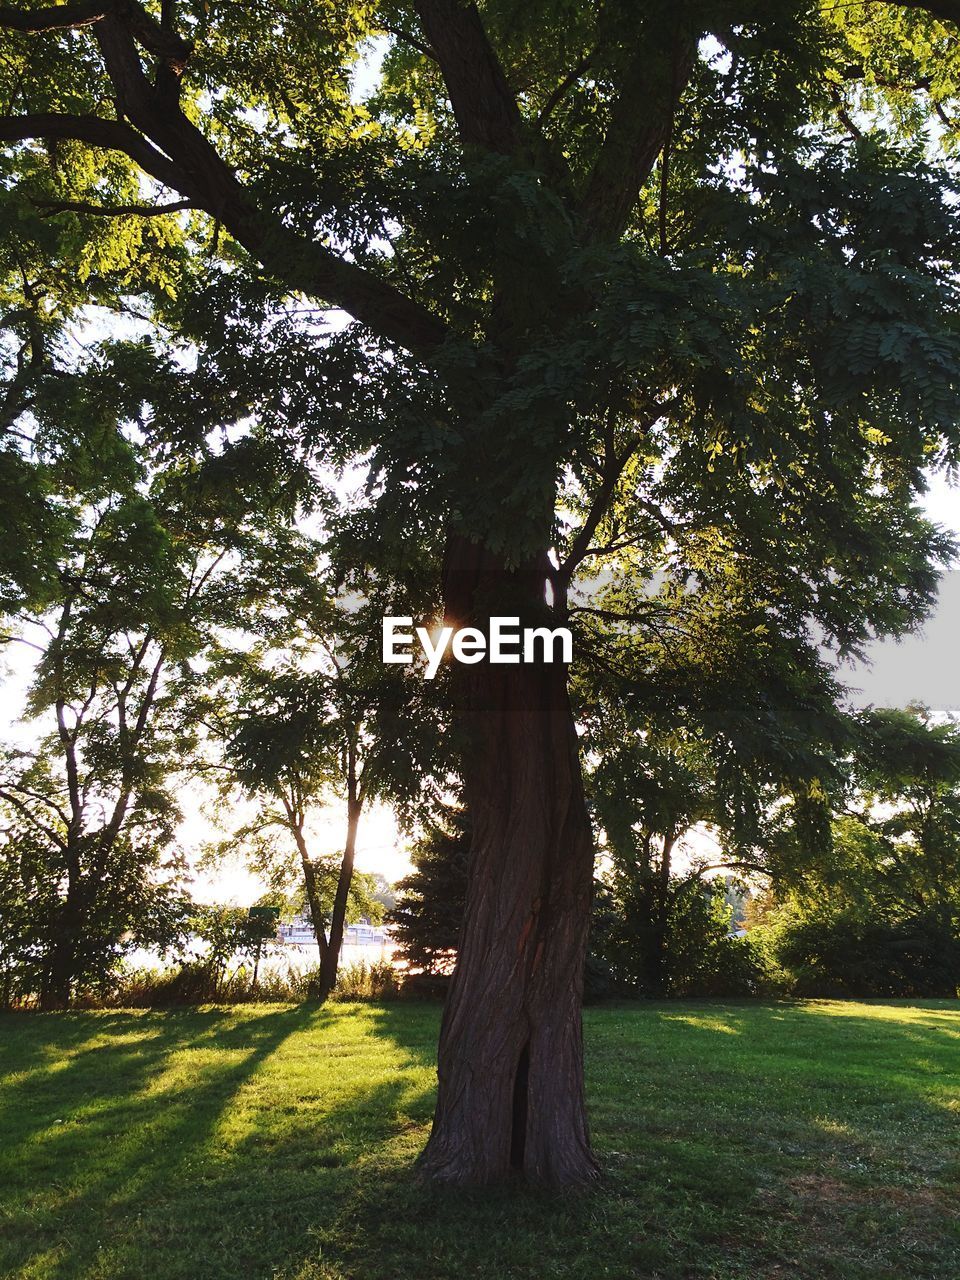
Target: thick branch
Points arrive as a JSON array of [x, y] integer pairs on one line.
[[201, 176], [57, 17], [486, 111], [640, 124], [300, 263], [164, 44], [106, 135]]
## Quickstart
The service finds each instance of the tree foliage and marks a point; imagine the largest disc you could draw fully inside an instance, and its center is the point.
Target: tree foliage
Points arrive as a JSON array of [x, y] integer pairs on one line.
[[877, 910], [153, 561], [670, 286], [428, 916]]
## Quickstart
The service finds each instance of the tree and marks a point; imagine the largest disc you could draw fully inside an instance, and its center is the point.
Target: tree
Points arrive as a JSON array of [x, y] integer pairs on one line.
[[698, 718], [428, 914], [147, 567], [877, 910], [902, 809], [628, 251], [90, 820], [326, 718]]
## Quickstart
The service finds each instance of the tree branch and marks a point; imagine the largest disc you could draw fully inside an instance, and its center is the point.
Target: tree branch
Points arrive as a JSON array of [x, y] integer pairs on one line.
[[486, 110], [613, 467], [640, 124], [412, 41], [57, 17], [105, 135], [51, 207], [202, 177], [41, 799], [157, 39], [565, 85], [8, 639], [743, 864], [25, 811]]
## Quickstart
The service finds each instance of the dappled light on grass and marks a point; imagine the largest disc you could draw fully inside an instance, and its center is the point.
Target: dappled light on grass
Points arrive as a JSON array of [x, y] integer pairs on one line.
[[703, 1020], [220, 1144]]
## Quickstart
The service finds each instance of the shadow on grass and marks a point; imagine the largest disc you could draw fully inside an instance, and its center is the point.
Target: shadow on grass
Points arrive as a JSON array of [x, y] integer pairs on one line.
[[807, 1141], [737, 1141], [109, 1119]]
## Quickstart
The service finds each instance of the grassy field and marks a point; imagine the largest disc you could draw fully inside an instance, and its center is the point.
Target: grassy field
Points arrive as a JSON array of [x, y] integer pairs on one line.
[[812, 1140]]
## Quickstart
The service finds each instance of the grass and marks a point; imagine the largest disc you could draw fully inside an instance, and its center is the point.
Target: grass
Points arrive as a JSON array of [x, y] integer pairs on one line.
[[813, 1140]]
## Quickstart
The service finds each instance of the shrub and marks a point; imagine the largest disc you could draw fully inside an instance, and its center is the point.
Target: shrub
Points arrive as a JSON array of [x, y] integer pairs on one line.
[[689, 951], [848, 955], [360, 981]]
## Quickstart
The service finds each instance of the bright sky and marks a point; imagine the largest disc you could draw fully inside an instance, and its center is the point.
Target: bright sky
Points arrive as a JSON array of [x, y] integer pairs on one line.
[[923, 667], [380, 847]]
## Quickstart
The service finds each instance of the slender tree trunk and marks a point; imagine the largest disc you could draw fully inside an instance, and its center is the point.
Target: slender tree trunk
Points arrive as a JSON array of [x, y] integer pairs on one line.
[[56, 990], [338, 917], [511, 1056], [661, 911], [58, 987], [310, 885]]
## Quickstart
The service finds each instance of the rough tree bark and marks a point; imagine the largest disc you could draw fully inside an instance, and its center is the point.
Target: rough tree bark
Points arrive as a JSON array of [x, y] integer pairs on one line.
[[511, 1055]]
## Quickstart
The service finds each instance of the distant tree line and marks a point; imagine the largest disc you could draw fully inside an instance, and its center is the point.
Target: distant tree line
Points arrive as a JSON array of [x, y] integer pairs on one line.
[[855, 891]]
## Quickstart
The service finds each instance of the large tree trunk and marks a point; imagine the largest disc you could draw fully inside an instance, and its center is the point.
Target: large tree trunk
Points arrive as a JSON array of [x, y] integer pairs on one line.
[[511, 1054]]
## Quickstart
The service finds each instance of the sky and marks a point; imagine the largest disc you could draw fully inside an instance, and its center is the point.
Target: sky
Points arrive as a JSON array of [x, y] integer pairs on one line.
[[924, 666]]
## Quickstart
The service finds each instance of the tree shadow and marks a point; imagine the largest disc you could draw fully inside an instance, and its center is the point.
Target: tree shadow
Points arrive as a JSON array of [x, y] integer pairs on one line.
[[97, 1128]]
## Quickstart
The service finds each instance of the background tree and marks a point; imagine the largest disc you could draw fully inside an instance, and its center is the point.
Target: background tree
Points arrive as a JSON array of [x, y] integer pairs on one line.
[[428, 916], [152, 557], [701, 719], [89, 804], [627, 251], [321, 719], [878, 911]]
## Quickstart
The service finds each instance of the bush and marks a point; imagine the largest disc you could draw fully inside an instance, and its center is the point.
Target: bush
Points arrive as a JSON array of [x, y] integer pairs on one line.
[[688, 952], [847, 955], [425, 986], [360, 981], [196, 982]]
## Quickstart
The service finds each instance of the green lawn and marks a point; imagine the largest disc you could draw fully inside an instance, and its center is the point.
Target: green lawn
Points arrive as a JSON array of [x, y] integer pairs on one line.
[[812, 1140]]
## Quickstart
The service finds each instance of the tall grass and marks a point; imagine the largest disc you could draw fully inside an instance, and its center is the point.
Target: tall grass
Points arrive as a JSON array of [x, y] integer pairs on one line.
[[201, 982]]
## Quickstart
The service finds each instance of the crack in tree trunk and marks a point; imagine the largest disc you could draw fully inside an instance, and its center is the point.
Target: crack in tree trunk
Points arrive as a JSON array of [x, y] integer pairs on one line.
[[521, 1097]]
